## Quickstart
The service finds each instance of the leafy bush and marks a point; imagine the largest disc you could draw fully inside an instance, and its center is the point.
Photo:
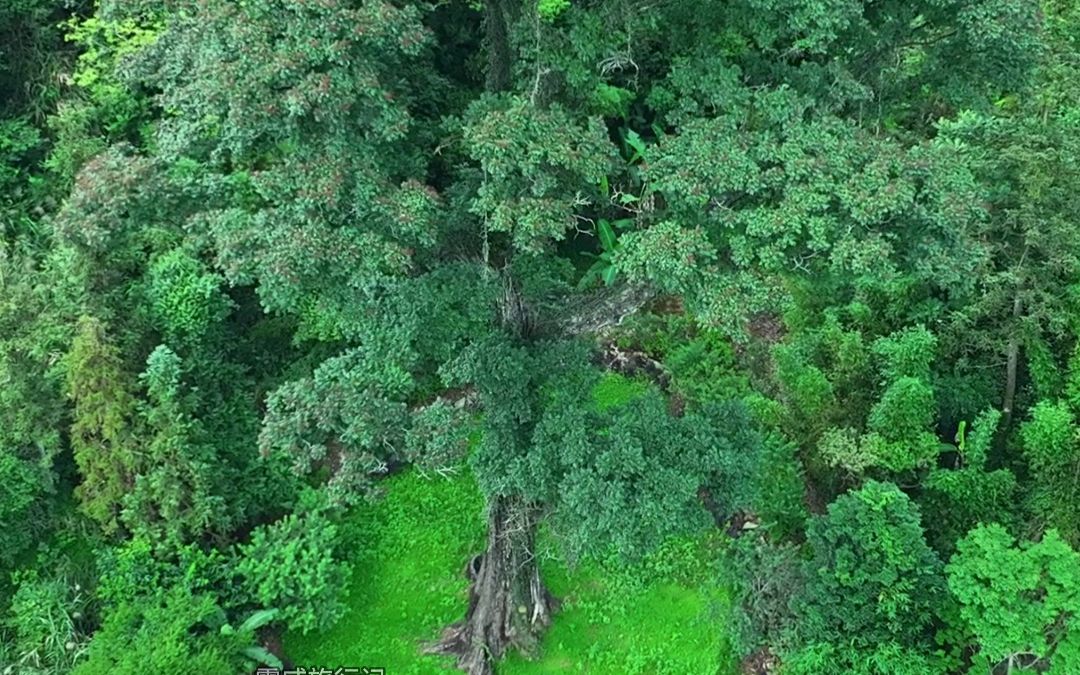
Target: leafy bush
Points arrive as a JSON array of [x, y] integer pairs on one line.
[[128, 572], [551, 9], [292, 566], [22, 490], [179, 496], [1019, 601], [656, 334], [871, 577], [49, 623], [704, 370], [103, 442], [185, 298], [1052, 447], [437, 441], [956, 500], [768, 577], [104, 109], [169, 631], [887, 658], [17, 139], [779, 496]]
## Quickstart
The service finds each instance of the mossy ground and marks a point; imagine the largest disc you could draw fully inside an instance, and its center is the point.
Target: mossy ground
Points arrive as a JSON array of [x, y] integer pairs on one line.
[[614, 390], [664, 614], [408, 551]]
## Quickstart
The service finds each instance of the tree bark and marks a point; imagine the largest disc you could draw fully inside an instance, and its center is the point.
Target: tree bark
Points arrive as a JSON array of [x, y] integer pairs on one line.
[[498, 46], [1012, 357], [600, 310], [508, 604]]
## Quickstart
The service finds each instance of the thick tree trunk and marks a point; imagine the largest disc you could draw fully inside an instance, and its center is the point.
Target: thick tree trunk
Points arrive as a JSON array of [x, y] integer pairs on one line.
[[509, 606], [508, 603], [498, 45], [599, 311]]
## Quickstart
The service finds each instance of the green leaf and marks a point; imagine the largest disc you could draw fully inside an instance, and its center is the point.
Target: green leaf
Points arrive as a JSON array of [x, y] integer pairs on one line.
[[591, 275], [609, 274], [258, 620], [549, 10], [607, 235], [262, 655], [633, 139]]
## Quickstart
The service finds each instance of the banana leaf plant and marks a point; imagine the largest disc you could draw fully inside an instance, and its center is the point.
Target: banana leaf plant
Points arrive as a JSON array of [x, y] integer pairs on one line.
[[604, 269]]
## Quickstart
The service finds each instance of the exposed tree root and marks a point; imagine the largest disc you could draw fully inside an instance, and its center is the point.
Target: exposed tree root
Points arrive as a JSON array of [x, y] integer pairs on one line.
[[509, 607]]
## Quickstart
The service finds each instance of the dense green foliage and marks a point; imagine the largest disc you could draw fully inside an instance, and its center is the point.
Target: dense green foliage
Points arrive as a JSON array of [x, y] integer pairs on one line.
[[847, 601], [1019, 602], [751, 329]]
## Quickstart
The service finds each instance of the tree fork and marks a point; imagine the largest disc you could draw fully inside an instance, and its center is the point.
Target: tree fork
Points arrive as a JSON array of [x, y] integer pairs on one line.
[[509, 606]]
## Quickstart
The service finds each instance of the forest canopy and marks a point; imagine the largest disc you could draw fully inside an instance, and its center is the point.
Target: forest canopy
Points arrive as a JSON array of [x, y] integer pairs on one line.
[[770, 306]]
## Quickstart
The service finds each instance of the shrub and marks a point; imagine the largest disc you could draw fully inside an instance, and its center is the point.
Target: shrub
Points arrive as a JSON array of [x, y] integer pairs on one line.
[[291, 566]]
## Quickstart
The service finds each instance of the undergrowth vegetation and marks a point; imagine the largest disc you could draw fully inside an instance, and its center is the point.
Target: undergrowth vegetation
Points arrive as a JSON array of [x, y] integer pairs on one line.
[[408, 579], [668, 613], [665, 613]]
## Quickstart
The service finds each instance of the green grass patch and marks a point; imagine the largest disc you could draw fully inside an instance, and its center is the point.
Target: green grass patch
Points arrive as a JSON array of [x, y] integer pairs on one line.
[[614, 390], [408, 551], [666, 614]]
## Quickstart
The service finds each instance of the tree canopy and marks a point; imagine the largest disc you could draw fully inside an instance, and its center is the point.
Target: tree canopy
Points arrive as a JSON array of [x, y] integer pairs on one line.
[[788, 285]]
